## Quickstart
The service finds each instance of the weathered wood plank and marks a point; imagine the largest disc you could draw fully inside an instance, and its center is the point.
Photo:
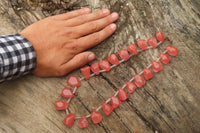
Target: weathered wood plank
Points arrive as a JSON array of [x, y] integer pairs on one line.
[[167, 103]]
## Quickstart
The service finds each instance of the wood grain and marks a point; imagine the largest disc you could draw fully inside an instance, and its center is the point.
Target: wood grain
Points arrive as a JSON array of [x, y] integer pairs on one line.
[[167, 103]]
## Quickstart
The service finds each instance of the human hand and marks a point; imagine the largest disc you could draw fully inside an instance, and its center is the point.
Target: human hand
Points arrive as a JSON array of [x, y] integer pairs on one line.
[[59, 41]]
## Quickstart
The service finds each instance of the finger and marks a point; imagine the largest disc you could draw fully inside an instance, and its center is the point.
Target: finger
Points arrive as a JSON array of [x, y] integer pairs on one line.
[[72, 14], [77, 61], [95, 26], [87, 17], [95, 38]]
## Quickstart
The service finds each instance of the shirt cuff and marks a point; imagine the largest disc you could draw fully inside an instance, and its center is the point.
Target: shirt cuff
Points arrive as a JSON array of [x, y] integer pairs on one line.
[[17, 57]]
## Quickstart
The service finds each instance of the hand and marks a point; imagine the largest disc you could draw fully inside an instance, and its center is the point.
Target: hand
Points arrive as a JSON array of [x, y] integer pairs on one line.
[[59, 41]]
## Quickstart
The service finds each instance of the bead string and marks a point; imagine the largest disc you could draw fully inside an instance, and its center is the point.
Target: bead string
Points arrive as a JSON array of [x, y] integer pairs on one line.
[[116, 93]]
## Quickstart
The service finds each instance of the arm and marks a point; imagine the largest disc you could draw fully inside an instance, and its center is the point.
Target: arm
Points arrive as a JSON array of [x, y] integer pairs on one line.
[[17, 56], [59, 41]]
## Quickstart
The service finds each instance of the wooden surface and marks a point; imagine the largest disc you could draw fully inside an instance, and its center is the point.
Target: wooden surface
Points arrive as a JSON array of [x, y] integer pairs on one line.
[[167, 103]]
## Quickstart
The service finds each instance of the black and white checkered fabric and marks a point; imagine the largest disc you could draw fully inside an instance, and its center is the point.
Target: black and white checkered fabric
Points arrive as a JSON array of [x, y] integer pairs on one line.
[[17, 57]]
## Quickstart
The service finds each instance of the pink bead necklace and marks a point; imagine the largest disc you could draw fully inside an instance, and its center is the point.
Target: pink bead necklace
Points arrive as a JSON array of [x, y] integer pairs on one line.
[[115, 101]]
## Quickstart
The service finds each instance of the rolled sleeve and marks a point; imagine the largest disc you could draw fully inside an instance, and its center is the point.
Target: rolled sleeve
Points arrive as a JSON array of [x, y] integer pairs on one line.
[[17, 57]]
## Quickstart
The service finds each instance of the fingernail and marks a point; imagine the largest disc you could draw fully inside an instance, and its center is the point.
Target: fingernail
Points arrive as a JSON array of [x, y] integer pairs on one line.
[[91, 57], [113, 26], [105, 11], [87, 9], [114, 15]]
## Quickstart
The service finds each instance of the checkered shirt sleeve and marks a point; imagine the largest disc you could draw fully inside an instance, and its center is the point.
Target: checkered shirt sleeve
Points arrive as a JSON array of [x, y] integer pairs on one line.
[[17, 57]]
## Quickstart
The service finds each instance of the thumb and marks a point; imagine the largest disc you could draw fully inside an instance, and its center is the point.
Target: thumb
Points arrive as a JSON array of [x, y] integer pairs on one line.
[[78, 60]]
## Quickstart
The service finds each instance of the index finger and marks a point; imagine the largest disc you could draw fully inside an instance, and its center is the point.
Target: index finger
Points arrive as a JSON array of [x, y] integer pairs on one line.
[[72, 14]]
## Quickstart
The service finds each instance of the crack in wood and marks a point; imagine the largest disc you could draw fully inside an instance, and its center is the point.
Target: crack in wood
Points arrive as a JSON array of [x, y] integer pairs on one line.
[[83, 104], [146, 122], [156, 100], [179, 21], [100, 124], [123, 122], [114, 111], [54, 123]]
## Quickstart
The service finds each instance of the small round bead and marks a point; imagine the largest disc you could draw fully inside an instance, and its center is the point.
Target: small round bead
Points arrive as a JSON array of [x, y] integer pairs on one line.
[[86, 72], [160, 36], [156, 66], [69, 119], [107, 108], [96, 117], [139, 80], [113, 59], [147, 74], [124, 54], [115, 102], [73, 81], [132, 49], [142, 44], [130, 86], [164, 58], [104, 65], [95, 68], [61, 105], [66, 92], [83, 122], [171, 50], [152, 42], [122, 94]]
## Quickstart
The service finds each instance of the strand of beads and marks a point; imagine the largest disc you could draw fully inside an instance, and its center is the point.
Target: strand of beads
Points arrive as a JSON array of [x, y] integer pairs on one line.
[[115, 102], [123, 54], [113, 59]]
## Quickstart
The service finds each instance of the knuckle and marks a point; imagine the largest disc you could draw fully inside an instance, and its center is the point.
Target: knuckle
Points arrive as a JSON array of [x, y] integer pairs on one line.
[[108, 30], [99, 13], [80, 12], [96, 38], [108, 20], [69, 32], [79, 60], [94, 26], [72, 46], [83, 18]]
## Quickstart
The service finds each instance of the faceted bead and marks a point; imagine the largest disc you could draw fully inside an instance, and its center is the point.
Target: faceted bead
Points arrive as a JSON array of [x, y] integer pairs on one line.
[[147, 74], [152, 42], [96, 117], [115, 102], [124, 54], [130, 86], [113, 59], [95, 68], [139, 80], [164, 58], [69, 119], [122, 94], [105, 65], [173, 51], [132, 49], [107, 108], [142, 44], [160, 36], [66, 92], [86, 72], [83, 122], [61, 105], [73, 81], [156, 66]]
